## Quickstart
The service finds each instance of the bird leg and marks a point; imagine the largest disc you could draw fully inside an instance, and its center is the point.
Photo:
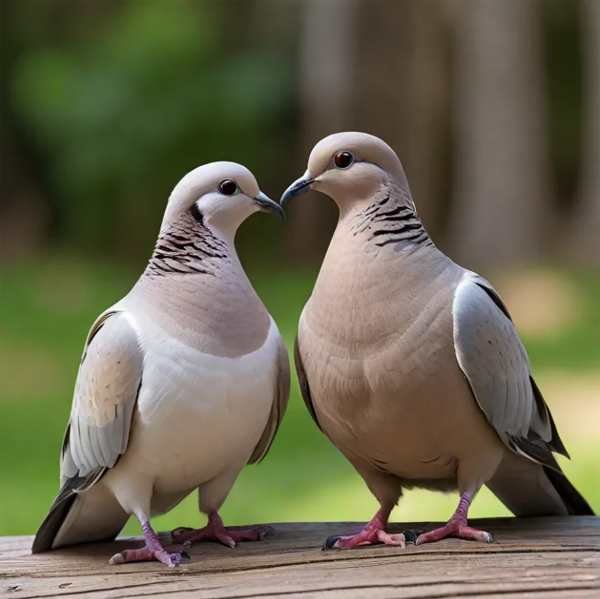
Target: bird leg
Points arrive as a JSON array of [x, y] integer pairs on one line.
[[372, 534], [216, 531], [457, 526], [153, 550]]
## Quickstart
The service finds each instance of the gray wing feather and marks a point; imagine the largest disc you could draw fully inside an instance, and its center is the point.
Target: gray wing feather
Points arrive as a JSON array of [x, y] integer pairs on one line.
[[282, 393], [303, 383], [495, 363], [105, 395]]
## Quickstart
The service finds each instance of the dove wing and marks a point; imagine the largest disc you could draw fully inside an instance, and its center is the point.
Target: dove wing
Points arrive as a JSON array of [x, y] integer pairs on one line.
[[106, 391], [495, 363], [282, 393]]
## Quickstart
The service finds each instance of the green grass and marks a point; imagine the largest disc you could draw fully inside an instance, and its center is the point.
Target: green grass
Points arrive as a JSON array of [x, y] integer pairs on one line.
[[576, 347], [46, 307]]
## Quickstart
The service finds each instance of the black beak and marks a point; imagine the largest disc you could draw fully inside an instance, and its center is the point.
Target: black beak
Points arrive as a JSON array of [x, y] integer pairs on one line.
[[268, 205], [299, 186]]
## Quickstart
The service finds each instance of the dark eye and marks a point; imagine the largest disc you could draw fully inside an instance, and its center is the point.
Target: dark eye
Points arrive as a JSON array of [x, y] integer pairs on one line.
[[228, 187], [343, 159]]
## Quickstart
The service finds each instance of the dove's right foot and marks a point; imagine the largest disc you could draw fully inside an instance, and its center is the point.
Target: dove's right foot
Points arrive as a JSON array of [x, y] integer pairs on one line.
[[146, 554], [373, 533], [457, 526], [152, 551], [216, 531]]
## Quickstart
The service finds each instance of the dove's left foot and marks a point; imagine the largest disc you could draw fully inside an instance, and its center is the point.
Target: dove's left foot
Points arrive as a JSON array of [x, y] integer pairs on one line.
[[152, 551], [457, 527], [373, 533], [216, 531]]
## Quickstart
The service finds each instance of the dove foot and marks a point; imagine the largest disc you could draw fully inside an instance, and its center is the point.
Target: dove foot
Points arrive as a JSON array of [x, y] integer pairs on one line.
[[457, 527], [373, 533], [455, 530], [152, 551], [216, 531], [145, 554]]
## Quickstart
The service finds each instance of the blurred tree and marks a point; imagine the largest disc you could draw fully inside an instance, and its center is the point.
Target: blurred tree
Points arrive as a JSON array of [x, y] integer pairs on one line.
[[106, 104], [502, 171], [585, 231], [151, 92], [402, 93], [24, 213], [326, 75], [394, 84]]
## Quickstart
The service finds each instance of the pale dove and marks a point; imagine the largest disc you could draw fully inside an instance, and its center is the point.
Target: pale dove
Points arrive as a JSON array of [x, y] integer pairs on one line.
[[410, 364], [182, 382]]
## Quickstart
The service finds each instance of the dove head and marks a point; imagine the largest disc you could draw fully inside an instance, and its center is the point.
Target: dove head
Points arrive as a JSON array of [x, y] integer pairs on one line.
[[220, 195], [350, 167]]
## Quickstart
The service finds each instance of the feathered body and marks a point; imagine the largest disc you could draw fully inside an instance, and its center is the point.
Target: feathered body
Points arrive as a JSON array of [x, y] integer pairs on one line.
[[411, 364], [182, 383]]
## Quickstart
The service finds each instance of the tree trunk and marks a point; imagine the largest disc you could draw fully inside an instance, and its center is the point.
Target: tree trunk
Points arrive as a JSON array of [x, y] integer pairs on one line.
[[502, 183], [585, 235], [24, 213], [380, 67], [326, 78], [403, 83]]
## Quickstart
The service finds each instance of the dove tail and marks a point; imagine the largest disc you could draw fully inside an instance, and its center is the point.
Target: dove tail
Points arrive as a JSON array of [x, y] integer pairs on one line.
[[575, 503], [527, 488], [82, 512], [59, 510]]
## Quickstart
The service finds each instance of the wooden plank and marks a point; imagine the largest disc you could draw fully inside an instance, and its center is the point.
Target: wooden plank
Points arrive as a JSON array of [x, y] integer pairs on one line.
[[536, 557]]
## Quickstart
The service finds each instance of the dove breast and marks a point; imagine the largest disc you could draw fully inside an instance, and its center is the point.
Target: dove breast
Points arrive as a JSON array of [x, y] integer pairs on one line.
[[199, 416], [384, 381]]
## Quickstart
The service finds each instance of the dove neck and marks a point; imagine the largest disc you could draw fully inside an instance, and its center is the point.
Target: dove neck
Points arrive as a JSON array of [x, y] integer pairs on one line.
[[378, 239], [387, 220], [197, 290], [189, 247]]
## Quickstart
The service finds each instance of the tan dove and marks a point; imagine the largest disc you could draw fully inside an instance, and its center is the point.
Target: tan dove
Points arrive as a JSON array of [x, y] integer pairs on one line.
[[182, 382], [410, 364]]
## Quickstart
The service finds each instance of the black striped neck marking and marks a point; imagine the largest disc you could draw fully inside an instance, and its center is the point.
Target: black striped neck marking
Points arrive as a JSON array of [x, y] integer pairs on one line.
[[387, 222], [188, 247]]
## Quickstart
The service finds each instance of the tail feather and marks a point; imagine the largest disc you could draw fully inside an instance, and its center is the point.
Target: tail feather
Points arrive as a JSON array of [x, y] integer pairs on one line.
[[575, 503], [59, 510], [530, 489], [83, 512]]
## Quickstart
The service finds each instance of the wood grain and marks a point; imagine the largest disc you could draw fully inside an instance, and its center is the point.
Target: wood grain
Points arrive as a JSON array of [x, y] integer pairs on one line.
[[536, 557]]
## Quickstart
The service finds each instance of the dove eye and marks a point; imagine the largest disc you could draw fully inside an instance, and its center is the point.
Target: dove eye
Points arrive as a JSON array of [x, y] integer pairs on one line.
[[228, 187], [343, 159]]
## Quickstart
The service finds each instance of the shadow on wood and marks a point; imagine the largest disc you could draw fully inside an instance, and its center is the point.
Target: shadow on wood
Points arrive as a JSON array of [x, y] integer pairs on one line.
[[535, 557]]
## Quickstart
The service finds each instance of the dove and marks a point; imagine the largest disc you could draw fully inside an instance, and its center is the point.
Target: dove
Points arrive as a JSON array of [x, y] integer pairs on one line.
[[411, 364], [182, 382]]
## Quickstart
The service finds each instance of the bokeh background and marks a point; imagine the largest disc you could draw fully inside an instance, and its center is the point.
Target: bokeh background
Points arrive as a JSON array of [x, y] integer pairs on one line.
[[494, 108]]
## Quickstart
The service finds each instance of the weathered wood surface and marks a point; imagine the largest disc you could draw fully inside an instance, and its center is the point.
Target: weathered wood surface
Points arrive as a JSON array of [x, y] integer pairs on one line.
[[541, 557]]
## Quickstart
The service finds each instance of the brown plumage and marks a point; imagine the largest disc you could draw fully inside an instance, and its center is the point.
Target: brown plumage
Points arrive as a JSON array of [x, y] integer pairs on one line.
[[409, 363]]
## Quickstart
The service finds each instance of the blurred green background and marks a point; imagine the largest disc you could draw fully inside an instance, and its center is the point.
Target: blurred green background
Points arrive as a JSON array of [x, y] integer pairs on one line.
[[493, 108]]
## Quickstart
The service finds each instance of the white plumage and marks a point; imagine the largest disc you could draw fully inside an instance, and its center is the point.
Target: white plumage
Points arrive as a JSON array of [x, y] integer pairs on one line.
[[182, 382]]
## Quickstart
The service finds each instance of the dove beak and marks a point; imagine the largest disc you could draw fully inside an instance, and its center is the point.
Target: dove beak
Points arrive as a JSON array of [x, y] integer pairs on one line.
[[266, 204], [299, 186]]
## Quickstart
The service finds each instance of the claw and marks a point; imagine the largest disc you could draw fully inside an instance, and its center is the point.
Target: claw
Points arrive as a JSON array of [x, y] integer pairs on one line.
[[410, 536], [116, 559], [330, 543]]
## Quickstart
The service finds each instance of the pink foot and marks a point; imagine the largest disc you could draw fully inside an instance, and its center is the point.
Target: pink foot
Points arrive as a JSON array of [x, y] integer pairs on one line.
[[216, 531], [455, 528], [152, 551], [372, 534], [146, 554]]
